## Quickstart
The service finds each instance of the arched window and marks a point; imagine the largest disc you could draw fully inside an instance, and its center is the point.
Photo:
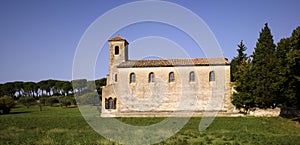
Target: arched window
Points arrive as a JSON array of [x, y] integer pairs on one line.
[[117, 51], [151, 77], [116, 78], [110, 103], [171, 77], [192, 76], [211, 76], [132, 78]]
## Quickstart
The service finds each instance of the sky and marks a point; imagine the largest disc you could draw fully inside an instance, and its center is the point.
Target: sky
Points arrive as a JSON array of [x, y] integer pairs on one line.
[[39, 38]]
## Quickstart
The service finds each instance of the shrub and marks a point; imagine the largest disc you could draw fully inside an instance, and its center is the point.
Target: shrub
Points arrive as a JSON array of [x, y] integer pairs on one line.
[[52, 100], [27, 101], [6, 103], [65, 101], [72, 99]]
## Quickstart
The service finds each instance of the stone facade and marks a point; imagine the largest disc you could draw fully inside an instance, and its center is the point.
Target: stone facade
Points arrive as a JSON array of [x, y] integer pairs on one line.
[[162, 87]]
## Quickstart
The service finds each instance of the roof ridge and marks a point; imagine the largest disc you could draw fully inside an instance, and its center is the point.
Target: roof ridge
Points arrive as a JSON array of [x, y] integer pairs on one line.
[[177, 59], [174, 62]]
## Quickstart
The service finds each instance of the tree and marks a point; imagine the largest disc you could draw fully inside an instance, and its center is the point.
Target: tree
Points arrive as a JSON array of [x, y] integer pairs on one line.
[[9, 89], [50, 86], [264, 59], [99, 83], [243, 97], [79, 85], [67, 87], [43, 86], [91, 86], [29, 89], [36, 89], [293, 66], [6, 103], [237, 61], [47, 86], [288, 54], [284, 98], [19, 88], [58, 88], [1, 90]]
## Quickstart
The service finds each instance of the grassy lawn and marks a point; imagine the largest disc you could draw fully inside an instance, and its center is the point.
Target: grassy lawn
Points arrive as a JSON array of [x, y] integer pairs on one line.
[[55, 125]]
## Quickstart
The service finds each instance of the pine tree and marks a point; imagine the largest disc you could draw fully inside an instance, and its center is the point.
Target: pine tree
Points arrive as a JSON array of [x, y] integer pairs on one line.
[[240, 66], [265, 79], [238, 60]]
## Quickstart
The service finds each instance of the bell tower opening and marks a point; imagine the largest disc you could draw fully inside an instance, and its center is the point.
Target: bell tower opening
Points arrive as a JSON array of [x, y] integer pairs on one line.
[[118, 48]]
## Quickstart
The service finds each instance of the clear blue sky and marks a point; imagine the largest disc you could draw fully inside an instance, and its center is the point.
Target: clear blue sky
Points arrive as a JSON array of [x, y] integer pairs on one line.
[[38, 38]]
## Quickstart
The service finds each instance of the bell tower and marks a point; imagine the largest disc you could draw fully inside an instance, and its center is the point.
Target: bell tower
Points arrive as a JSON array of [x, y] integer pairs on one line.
[[118, 53]]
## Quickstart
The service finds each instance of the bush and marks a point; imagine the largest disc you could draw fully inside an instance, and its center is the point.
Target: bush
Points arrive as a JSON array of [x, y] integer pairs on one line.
[[27, 101], [73, 100], [52, 100], [6, 103], [65, 101]]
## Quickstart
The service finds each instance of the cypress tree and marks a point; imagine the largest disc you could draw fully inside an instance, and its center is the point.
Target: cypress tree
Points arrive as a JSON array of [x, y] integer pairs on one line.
[[293, 68], [284, 97], [243, 98], [264, 89]]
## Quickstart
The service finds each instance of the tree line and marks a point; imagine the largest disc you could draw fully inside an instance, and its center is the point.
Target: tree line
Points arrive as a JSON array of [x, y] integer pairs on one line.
[[50, 92], [270, 77], [48, 88]]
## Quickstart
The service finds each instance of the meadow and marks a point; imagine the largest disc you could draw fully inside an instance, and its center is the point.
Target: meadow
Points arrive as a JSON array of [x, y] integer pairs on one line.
[[56, 125]]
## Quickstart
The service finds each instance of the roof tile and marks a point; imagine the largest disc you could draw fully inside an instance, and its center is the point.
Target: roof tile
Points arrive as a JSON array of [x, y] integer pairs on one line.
[[174, 62]]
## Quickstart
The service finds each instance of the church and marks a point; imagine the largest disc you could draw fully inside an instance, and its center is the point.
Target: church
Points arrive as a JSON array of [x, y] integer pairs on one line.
[[162, 87]]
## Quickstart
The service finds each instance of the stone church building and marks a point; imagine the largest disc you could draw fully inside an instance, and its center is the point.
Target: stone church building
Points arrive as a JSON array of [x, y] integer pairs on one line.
[[161, 87]]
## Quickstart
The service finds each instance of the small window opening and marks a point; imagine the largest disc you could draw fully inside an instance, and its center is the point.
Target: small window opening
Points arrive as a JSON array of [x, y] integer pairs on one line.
[[171, 77], [117, 51]]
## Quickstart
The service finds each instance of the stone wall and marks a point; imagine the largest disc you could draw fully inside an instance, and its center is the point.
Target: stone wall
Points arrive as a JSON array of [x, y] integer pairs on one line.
[[162, 97], [265, 112]]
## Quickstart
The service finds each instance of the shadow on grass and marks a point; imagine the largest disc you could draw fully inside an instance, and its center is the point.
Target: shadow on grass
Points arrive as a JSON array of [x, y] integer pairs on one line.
[[296, 119], [18, 112]]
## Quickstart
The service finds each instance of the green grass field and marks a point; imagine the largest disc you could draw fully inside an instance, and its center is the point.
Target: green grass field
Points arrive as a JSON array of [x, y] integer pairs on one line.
[[55, 125]]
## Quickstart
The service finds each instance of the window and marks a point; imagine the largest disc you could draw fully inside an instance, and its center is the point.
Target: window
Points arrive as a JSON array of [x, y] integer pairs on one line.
[[117, 50], [151, 77], [211, 76], [116, 78], [171, 77], [192, 76], [110, 103], [132, 78]]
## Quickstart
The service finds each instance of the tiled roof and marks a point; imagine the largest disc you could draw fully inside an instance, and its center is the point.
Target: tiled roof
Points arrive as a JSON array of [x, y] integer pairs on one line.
[[118, 38], [174, 62]]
